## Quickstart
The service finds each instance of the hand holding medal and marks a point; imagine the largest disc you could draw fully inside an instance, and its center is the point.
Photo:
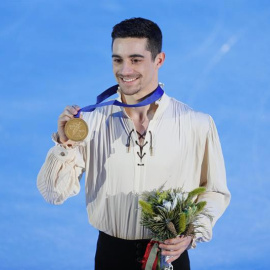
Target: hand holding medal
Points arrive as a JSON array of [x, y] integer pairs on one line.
[[70, 127]]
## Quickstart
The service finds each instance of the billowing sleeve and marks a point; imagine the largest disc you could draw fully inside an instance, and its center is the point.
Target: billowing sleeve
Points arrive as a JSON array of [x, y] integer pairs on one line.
[[213, 178], [59, 177]]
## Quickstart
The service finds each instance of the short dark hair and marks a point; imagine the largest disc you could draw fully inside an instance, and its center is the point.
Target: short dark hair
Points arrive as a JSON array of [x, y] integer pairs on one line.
[[140, 28]]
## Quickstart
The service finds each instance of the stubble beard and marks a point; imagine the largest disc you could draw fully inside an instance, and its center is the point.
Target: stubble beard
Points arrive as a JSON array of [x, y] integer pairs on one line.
[[129, 90]]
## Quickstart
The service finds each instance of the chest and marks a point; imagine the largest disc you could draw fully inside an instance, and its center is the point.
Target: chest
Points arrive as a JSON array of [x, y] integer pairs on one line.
[[137, 156]]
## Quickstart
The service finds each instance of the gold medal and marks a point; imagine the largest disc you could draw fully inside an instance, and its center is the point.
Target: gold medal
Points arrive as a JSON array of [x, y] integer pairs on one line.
[[76, 129]]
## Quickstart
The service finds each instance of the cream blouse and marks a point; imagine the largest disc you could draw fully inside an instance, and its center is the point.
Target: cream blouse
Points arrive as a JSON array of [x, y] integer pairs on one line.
[[181, 149]]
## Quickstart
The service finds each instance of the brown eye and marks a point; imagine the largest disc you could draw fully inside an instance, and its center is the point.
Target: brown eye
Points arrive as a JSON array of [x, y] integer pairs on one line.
[[135, 61], [117, 60]]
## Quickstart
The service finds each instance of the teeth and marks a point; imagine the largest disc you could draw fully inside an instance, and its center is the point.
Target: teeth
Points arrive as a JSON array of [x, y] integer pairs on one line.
[[128, 80]]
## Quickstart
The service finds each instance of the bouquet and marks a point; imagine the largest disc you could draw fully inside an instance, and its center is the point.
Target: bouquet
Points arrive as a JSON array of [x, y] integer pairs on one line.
[[168, 214]]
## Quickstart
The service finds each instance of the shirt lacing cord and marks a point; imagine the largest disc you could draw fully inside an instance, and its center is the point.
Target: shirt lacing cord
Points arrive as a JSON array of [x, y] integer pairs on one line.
[[141, 154], [151, 148], [128, 140]]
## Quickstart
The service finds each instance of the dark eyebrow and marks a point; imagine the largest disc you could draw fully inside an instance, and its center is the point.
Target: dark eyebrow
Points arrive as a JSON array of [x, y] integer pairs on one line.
[[130, 56], [136, 55]]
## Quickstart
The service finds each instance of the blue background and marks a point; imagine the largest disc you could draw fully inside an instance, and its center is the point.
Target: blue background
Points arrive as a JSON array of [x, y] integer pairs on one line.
[[56, 52]]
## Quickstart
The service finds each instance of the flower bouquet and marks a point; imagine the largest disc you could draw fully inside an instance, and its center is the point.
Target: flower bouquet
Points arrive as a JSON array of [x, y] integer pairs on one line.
[[168, 214]]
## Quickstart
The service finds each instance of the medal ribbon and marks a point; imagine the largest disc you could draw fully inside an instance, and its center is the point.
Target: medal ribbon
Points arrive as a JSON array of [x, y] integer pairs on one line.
[[154, 96], [150, 258]]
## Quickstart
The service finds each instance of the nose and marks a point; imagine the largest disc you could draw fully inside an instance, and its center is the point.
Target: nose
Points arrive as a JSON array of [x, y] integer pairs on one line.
[[126, 68]]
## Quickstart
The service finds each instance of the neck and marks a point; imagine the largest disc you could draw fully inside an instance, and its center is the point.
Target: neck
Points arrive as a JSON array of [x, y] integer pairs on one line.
[[142, 114], [138, 112]]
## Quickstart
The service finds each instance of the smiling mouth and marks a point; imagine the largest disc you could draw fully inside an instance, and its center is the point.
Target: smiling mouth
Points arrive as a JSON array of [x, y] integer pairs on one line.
[[128, 79]]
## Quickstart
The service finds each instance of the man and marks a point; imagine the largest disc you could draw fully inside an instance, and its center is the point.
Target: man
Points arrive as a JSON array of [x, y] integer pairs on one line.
[[130, 150]]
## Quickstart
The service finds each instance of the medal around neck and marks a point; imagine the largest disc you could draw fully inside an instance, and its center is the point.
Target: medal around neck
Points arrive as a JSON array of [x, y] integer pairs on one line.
[[76, 129]]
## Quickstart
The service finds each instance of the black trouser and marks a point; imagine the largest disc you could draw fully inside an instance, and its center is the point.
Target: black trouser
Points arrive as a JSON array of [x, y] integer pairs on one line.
[[120, 254]]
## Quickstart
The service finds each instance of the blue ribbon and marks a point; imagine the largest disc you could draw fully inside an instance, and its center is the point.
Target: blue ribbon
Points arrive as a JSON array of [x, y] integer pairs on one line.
[[157, 94]]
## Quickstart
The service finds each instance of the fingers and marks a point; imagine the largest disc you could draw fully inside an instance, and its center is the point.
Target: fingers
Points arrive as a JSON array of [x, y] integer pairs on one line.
[[173, 253], [76, 106], [175, 247], [69, 112], [174, 242], [65, 116]]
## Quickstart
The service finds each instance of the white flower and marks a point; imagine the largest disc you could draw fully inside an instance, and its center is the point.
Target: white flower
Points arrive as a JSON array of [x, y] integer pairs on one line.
[[174, 203], [181, 196], [167, 205]]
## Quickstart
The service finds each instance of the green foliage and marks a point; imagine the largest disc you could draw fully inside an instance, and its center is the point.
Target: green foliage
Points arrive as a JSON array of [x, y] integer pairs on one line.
[[162, 196], [146, 207], [200, 206], [195, 192], [164, 210], [182, 223]]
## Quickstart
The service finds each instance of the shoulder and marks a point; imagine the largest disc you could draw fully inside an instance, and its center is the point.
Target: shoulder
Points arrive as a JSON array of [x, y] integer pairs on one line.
[[183, 110], [188, 116]]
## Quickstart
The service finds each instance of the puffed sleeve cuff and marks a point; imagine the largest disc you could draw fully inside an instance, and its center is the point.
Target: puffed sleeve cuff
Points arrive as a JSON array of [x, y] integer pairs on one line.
[[55, 139], [204, 232], [59, 176]]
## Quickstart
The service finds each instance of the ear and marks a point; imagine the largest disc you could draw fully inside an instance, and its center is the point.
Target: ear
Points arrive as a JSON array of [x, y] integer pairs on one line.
[[160, 58]]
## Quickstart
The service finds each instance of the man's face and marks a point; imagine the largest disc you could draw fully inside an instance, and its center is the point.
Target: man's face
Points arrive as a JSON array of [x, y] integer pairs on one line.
[[133, 67]]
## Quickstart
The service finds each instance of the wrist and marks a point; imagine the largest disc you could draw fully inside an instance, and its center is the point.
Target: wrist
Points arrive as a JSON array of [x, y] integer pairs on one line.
[[57, 139]]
